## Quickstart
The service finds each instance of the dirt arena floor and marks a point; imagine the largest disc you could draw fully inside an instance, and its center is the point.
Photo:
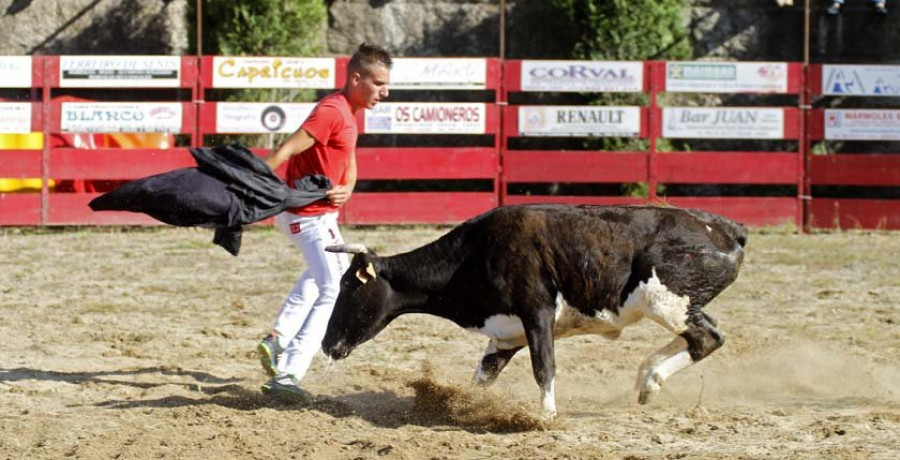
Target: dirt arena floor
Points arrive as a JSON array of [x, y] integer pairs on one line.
[[139, 343]]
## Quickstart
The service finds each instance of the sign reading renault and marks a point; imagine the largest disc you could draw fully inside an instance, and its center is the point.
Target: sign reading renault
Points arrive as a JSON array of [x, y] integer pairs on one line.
[[15, 72], [261, 118], [121, 117], [15, 117], [439, 73], [726, 77], [583, 76], [861, 80], [862, 124], [426, 118], [119, 71], [273, 72], [579, 121], [723, 123]]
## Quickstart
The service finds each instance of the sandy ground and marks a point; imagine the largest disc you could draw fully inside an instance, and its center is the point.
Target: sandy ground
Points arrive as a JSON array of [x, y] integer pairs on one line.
[[133, 344]]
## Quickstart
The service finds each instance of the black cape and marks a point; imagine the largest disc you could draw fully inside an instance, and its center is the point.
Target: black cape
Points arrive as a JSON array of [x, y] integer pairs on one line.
[[230, 187]]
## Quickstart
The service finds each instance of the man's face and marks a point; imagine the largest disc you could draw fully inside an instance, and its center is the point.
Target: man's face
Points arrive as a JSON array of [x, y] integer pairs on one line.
[[369, 89]]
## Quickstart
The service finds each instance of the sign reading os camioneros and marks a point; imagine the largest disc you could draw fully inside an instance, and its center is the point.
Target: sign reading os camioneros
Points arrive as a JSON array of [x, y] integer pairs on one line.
[[260, 118], [862, 124], [426, 118], [119, 71], [273, 72], [121, 117], [582, 76], [723, 123], [439, 73], [15, 117], [726, 77], [579, 121], [15, 71], [861, 80]]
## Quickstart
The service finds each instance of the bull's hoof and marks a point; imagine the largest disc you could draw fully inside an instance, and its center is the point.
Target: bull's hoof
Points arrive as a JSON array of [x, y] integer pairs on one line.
[[649, 388]]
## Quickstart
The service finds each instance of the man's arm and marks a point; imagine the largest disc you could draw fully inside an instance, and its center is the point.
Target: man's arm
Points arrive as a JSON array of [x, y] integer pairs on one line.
[[296, 143], [340, 194]]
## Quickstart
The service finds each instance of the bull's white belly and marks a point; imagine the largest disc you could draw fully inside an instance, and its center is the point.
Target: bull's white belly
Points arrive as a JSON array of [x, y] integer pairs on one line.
[[651, 299]]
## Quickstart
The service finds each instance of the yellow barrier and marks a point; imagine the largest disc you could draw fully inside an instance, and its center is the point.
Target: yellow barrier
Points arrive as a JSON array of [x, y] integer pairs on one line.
[[27, 141]]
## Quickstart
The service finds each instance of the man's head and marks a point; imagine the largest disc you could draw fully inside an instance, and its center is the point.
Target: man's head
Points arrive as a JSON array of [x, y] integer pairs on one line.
[[368, 75]]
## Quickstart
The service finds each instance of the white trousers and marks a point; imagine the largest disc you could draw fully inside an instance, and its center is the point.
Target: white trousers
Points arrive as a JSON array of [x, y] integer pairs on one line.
[[303, 319]]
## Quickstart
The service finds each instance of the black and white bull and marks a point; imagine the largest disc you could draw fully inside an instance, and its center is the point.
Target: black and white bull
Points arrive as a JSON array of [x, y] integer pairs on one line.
[[526, 275]]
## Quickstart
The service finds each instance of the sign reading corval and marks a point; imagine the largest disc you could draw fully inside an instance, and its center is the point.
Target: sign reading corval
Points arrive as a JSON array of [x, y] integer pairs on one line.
[[583, 76], [862, 124], [579, 121], [273, 72], [426, 118], [15, 71], [439, 73], [121, 117], [726, 77], [119, 71], [260, 118], [723, 123]]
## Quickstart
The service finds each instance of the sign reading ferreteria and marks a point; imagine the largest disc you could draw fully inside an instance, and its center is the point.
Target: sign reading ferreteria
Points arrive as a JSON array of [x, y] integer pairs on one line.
[[723, 123], [579, 121], [439, 73], [121, 117], [273, 72], [119, 71], [426, 118], [726, 77], [861, 80], [15, 117], [862, 124], [261, 118], [582, 76], [15, 71]]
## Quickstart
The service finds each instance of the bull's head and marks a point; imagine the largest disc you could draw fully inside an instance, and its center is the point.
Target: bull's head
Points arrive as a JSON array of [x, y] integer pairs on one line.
[[363, 306]]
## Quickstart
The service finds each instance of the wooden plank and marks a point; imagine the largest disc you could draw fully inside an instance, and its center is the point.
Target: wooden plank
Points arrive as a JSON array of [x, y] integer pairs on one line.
[[20, 209], [114, 164], [753, 211], [417, 208], [727, 168], [20, 163], [582, 166], [852, 213], [567, 199], [72, 209], [428, 163], [855, 169]]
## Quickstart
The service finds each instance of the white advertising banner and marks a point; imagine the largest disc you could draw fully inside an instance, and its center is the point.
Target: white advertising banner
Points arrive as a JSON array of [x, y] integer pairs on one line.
[[862, 124], [426, 118], [583, 76], [121, 117], [15, 117], [579, 121], [439, 73], [242, 117], [723, 123], [861, 80], [15, 71], [726, 77], [119, 71], [273, 72]]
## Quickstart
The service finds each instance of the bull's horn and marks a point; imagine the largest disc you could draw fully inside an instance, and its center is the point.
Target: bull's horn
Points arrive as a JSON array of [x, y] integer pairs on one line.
[[350, 248]]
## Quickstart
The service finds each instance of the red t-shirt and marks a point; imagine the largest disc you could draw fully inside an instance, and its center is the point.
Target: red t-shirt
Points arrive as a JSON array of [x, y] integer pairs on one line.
[[334, 128]]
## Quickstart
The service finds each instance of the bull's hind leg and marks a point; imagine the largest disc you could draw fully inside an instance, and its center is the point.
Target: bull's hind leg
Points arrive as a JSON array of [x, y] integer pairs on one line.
[[492, 363]]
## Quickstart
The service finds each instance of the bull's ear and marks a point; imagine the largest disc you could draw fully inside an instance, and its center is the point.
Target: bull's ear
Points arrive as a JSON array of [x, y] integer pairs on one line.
[[364, 274]]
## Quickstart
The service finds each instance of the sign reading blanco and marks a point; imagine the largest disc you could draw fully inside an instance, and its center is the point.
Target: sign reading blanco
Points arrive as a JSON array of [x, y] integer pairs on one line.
[[242, 117], [726, 77], [121, 117], [861, 80], [439, 73], [586, 76], [119, 71], [15, 117], [862, 124], [723, 123], [273, 72], [426, 118], [579, 121], [15, 71]]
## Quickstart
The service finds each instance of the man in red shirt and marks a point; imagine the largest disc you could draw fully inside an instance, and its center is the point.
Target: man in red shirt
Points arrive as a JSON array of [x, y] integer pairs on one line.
[[324, 144]]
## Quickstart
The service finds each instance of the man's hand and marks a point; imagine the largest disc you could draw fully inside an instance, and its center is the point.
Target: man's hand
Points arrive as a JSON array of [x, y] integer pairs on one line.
[[339, 195]]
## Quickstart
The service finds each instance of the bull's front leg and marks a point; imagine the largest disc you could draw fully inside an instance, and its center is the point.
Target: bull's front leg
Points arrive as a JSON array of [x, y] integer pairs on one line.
[[539, 333], [492, 363]]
